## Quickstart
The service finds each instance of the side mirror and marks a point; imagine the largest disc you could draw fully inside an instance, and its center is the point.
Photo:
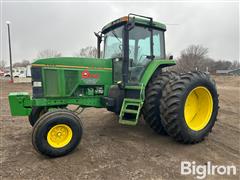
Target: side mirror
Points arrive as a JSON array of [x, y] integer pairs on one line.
[[170, 57]]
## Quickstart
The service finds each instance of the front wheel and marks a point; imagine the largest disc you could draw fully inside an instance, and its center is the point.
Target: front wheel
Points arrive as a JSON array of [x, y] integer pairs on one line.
[[189, 107], [35, 114], [57, 133]]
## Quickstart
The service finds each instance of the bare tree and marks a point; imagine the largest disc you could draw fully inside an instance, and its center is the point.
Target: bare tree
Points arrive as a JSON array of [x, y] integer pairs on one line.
[[24, 63], [209, 65], [192, 58], [235, 65], [17, 64], [222, 65], [195, 58], [87, 52], [2, 64], [47, 53]]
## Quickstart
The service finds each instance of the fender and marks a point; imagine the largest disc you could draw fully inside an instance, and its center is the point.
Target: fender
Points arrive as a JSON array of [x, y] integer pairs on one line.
[[152, 67]]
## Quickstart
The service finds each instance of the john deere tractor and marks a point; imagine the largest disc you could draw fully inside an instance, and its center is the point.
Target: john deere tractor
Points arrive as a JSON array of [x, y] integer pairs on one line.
[[130, 79]]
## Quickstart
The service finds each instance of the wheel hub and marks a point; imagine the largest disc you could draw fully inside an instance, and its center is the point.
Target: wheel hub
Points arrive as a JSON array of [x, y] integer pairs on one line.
[[59, 135], [198, 108]]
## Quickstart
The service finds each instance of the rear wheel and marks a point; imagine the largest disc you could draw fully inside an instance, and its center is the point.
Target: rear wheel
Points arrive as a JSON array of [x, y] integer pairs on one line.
[[57, 133], [189, 107], [151, 111]]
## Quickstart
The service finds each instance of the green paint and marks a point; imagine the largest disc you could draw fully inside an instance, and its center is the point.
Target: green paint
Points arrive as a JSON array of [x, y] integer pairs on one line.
[[64, 82], [75, 61], [132, 107], [17, 102], [21, 104], [151, 68], [58, 92]]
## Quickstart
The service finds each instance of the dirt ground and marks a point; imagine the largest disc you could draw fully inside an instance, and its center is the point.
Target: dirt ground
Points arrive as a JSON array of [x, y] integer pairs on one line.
[[109, 150]]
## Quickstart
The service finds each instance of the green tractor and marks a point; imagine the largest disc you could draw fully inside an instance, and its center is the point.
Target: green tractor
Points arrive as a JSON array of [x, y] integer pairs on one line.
[[129, 80]]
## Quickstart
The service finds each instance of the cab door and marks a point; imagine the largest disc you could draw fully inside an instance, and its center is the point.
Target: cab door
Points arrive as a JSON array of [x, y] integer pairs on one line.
[[140, 50]]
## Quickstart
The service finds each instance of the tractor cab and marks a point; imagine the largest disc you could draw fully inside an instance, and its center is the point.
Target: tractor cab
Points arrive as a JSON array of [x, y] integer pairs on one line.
[[132, 42]]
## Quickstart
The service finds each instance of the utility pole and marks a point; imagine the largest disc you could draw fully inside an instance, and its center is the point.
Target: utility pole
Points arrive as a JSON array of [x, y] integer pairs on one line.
[[10, 50]]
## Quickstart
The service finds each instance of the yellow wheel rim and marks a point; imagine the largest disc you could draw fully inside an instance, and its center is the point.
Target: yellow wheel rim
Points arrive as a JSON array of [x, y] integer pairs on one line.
[[59, 135], [198, 108]]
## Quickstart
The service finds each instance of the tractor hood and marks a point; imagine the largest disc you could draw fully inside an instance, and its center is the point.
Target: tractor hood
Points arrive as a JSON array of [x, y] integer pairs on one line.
[[74, 62], [64, 76]]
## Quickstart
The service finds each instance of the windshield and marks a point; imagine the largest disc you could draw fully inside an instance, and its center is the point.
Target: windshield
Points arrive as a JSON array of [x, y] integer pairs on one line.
[[113, 43], [140, 45], [140, 50]]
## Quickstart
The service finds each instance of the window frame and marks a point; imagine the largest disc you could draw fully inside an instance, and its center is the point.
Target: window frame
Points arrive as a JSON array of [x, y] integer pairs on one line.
[[104, 42], [125, 49], [162, 43]]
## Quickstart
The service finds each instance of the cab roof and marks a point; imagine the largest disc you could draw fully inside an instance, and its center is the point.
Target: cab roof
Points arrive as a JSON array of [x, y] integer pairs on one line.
[[137, 20]]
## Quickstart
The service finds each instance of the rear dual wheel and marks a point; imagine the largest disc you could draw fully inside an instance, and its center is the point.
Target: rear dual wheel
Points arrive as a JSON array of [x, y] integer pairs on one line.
[[151, 110], [57, 133], [189, 107]]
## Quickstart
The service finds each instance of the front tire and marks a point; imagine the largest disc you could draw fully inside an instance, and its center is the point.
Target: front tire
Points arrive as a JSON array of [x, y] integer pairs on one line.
[[57, 133], [189, 107], [35, 114]]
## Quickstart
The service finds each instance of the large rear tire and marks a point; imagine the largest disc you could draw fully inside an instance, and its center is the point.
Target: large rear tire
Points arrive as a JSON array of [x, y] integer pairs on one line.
[[151, 111], [57, 133], [189, 107]]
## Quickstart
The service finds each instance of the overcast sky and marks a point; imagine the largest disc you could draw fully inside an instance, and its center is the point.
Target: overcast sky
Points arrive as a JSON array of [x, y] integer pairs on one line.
[[69, 26]]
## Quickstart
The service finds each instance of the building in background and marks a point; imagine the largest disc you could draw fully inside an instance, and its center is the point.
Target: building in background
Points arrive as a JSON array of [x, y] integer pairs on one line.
[[235, 72], [21, 72]]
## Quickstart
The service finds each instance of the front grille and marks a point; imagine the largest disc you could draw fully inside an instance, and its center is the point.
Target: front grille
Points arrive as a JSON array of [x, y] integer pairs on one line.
[[51, 82]]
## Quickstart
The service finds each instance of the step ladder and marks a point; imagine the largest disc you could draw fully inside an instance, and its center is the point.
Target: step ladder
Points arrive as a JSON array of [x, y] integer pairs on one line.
[[131, 108]]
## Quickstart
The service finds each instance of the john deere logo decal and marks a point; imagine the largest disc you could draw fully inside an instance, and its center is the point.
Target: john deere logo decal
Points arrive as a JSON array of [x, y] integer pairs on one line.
[[89, 78], [86, 74]]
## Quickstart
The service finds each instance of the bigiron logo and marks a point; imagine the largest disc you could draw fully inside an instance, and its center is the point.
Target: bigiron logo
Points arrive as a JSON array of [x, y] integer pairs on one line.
[[208, 169], [86, 74]]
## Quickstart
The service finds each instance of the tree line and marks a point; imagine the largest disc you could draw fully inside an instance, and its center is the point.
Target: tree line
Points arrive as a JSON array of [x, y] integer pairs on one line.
[[194, 57]]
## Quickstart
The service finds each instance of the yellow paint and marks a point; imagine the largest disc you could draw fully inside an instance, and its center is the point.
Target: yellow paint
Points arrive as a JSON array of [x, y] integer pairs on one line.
[[198, 108], [59, 135]]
